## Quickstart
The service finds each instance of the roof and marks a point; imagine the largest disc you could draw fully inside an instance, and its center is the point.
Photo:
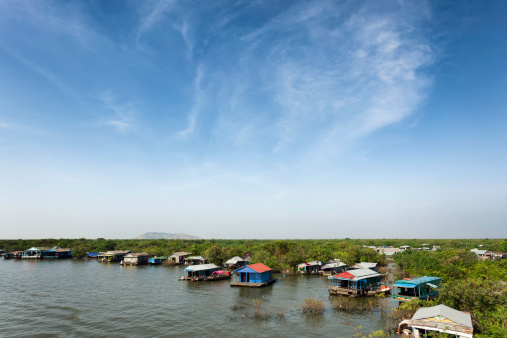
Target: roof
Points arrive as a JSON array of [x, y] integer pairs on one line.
[[60, 250], [114, 252], [333, 265], [180, 253], [40, 248], [201, 267], [312, 263], [456, 316], [356, 275], [137, 254], [234, 260], [416, 281], [194, 257], [366, 265], [257, 267], [479, 252]]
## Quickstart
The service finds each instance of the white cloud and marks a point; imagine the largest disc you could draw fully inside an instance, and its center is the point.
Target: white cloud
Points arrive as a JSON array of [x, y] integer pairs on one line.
[[123, 119], [196, 107], [155, 14]]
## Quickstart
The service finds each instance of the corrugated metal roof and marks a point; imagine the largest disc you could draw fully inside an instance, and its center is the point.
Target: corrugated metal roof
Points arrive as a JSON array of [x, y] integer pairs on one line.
[[357, 274], [367, 265], [137, 254], [257, 267], [419, 280], [180, 253], [234, 260], [201, 267], [456, 316]]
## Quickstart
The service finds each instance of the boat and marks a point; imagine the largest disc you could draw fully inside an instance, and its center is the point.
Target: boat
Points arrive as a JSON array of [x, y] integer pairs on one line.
[[218, 275]]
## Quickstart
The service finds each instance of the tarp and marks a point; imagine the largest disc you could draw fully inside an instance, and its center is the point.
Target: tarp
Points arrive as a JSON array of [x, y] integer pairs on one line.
[[402, 285]]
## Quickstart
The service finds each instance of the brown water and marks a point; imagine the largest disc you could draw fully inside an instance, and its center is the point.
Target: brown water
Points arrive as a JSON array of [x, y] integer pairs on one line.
[[80, 298]]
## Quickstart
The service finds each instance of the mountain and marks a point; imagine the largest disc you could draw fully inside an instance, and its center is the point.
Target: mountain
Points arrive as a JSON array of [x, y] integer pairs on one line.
[[164, 235]]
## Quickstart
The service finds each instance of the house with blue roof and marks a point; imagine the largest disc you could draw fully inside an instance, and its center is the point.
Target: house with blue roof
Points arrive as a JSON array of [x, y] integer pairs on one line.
[[424, 288]]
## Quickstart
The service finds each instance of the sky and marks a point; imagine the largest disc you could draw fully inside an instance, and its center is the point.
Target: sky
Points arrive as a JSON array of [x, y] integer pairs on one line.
[[253, 119]]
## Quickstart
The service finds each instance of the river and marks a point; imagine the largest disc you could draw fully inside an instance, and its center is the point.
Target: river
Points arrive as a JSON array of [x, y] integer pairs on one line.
[[84, 298]]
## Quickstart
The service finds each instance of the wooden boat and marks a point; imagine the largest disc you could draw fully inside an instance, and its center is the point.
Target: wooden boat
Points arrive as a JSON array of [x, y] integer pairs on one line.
[[218, 275]]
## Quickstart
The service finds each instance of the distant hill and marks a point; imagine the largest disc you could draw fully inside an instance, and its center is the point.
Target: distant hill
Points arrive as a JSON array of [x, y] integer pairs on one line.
[[164, 235]]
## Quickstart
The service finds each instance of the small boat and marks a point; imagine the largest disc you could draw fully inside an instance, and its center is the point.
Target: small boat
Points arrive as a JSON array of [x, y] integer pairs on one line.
[[218, 275]]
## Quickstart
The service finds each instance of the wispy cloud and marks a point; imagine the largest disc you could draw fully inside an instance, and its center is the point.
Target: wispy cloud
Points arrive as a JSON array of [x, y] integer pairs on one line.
[[196, 106], [155, 14], [329, 75], [123, 119]]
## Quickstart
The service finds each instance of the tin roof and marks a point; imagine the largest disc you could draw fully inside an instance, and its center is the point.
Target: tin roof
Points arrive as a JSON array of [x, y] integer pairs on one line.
[[257, 267], [234, 260], [180, 253], [416, 281], [456, 316], [366, 265], [137, 254], [357, 274], [201, 267]]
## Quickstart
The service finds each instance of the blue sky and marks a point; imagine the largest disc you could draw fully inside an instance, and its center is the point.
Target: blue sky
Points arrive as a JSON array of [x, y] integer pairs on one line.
[[253, 119]]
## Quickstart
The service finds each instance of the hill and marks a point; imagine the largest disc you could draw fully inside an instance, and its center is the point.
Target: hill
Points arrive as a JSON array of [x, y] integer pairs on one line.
[[164, 235]]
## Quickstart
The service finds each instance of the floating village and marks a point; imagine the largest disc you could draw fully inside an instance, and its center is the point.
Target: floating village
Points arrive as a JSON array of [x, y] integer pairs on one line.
[[358, 280]]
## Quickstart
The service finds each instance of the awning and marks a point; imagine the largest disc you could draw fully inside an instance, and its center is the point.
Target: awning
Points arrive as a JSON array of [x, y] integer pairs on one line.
[[401, 285], [432, 285]]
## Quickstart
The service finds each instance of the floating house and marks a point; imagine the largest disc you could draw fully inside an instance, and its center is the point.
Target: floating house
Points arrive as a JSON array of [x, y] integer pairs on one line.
[[199, 272], [195, 260], [437, 319], [310, 268], [333, 268], [112, 256], [235, 262], [59, 253], [136, 258], [8, 255], [355, 283], [365, 265], [178, 257], [254, 275], [35, 253], [92, 255], [424, 288], [157, 260]]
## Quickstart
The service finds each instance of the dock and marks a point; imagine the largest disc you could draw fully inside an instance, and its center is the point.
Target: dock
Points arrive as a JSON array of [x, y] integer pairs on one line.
[[335, 290], [254, 285]]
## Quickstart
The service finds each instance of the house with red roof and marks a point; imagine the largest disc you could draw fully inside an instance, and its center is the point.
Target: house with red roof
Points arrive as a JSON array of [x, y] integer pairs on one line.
[[255, 275]]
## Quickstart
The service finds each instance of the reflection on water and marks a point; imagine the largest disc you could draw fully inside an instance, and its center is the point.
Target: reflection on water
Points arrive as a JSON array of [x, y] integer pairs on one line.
[[79, 298]]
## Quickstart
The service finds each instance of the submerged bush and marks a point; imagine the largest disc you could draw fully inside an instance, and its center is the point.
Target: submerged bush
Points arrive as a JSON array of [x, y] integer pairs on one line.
[[313, 306]]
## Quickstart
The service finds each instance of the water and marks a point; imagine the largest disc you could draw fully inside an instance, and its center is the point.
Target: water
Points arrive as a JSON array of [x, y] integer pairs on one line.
[[80, 298]]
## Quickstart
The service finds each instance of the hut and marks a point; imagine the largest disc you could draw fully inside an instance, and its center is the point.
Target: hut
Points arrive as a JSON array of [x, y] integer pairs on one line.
[[136, 258], [35, 253], [199, 272], [358, 282], [59, 253], [332, 268], [436, 319], [235, 262], [254, 275], [310, 268], [195, 260], [178, 257], [112, 256], [365, 265], [157, 260], [424, 288]]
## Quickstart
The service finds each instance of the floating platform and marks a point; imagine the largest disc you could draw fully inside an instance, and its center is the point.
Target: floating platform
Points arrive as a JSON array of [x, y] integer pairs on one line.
[[254, 285], [334, 290]]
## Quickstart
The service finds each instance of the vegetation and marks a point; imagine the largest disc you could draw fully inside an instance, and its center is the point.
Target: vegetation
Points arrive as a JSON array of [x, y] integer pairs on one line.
[[470, 284], [313, 306]]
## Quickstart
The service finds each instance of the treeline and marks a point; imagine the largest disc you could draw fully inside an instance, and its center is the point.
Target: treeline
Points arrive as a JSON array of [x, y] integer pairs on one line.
[[469, 284], [277, 254]]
